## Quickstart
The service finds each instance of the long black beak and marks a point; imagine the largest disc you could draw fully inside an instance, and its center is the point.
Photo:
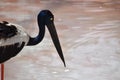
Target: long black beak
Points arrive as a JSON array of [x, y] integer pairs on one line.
[[55, 40]]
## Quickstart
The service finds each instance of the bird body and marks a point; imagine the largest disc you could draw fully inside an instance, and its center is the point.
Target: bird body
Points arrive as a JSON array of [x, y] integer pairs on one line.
[[12, 39]]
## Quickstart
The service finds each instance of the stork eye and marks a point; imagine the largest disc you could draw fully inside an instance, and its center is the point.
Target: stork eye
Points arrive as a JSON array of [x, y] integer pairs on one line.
[[51, 19]]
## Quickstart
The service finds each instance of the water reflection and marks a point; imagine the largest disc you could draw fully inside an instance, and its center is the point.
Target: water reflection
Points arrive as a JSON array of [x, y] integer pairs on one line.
[[89, 33]]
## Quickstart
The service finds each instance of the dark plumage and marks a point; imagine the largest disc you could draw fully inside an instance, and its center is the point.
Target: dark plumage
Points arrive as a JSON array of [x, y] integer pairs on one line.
[[7, 31], [13, 50]]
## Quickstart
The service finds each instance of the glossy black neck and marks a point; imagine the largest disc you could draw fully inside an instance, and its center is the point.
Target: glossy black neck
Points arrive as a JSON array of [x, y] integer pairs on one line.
[[39, 38]]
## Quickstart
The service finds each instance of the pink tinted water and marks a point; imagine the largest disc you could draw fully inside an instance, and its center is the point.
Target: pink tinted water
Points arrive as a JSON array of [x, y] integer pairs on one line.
[[89, 34]]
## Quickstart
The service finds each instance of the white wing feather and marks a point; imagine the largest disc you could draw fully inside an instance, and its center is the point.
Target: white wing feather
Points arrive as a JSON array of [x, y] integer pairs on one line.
[[20, 37]]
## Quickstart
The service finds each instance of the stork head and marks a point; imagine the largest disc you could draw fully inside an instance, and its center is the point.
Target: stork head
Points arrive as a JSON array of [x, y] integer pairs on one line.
[[47, 18]]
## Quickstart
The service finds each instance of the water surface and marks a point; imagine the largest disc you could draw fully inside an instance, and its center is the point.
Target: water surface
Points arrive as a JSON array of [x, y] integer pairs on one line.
[[89, 31]]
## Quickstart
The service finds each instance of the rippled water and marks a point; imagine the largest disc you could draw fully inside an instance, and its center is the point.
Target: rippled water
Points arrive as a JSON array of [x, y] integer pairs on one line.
[[89, 34]]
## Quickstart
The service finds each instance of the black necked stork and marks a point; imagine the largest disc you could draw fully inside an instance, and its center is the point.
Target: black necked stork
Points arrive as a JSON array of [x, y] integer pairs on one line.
[[13, 37]]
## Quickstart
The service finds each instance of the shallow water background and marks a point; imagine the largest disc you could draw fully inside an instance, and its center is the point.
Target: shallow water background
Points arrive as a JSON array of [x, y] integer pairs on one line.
[[89, 31]]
